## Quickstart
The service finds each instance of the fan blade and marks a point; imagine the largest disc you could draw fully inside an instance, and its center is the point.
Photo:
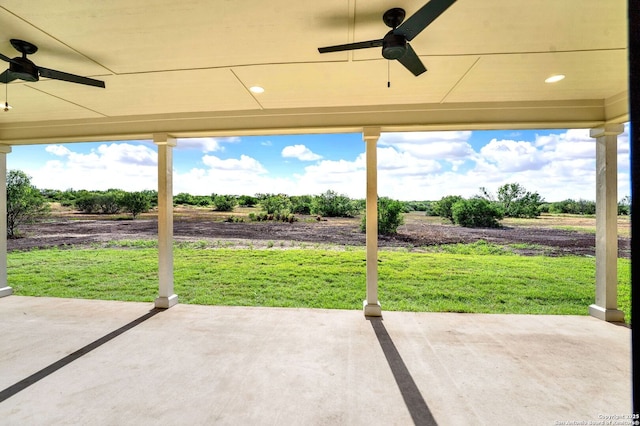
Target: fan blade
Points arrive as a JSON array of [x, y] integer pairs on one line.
[[412, 62], [5, 58], [6, 77], [423, 17], [351, 46], [59, 75]]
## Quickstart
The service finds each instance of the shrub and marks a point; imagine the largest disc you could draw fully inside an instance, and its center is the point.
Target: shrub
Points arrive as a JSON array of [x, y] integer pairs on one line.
[[624, 206], [443, 207], [202, 200], [359, 205], [67, 203], [66, 198], [332, 204], [183, 198], [301, 204], [570, 206], [113, 201], [258, 217], [417, 206], [275, 204], [390, 216], [224, 203], [135, 203], [152, 196], [247, 201], [52, 194], [87, 203], [516, 201], [430, 208], [477, 212], [24, 202], [109, 202], [585, 207], [234, 219]]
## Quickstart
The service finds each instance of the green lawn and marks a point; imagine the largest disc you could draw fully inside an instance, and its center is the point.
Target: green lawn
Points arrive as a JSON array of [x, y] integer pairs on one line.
[[472, 280]]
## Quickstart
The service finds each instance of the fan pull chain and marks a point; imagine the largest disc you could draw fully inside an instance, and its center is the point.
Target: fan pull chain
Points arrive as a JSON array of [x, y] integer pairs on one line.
[[388, 74], [6, 94]]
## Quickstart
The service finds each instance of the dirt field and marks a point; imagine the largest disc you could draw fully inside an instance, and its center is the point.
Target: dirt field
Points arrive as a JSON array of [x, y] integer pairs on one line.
[[540, 236]]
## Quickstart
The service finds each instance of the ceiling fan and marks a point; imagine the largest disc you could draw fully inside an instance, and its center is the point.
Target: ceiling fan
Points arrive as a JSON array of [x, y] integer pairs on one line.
[[23, 69], [394, 44]]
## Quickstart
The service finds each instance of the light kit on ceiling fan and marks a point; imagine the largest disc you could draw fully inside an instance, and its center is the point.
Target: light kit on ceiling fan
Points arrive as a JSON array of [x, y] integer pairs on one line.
[[395, 44]]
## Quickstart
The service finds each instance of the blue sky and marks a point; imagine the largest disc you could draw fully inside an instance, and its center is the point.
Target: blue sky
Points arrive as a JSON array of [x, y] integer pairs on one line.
[[558, 164]]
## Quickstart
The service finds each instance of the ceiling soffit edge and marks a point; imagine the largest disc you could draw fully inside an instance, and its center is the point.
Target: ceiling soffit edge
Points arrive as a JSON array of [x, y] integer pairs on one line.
[[617, 108], [502, 115]]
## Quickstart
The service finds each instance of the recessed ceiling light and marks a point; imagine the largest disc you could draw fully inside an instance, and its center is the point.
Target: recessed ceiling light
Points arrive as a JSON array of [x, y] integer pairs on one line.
[[554, 78], [256, 89]]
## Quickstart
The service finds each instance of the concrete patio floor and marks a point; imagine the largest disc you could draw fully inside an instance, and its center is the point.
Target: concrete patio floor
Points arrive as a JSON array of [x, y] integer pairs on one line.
[[65, 361]]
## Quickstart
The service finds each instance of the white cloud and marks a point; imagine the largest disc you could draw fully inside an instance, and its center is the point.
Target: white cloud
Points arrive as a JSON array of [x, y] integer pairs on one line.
[[124, 153], [244, 175], [205, 144], [337, 166], [574, 143], [243, 164], [624, 165], [513, 156], [236, 176], [393, 138], [58, 150], [342, 176], [560, 165], [127, 166], [571, 135], [399, 174], [300, 152], [450, 146], [404, 163]]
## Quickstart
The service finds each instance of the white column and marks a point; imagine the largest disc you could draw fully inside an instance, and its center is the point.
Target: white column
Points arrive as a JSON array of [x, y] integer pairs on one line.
[[5, 290], [371, 305], [606, 306], [166, 297]]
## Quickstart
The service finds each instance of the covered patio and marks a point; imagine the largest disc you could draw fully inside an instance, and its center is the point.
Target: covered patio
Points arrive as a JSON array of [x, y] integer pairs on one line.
[[186, 69], [70, 361], [191, 69]]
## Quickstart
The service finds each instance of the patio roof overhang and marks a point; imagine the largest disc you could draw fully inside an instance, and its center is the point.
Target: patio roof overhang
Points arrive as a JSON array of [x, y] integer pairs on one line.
[[185, 68]]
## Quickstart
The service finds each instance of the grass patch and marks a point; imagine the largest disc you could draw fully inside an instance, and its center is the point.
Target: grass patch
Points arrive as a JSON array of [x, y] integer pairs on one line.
[[487, 279], [568, 222], [478, 248], [150, 243], [585, 229]]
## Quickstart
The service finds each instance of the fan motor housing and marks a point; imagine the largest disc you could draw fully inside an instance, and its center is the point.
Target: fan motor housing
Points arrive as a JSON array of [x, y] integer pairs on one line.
[[394, 46], [24, 69]]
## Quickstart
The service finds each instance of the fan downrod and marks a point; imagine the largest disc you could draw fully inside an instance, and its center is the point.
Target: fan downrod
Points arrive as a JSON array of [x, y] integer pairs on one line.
[[24, 47], [394, 17]]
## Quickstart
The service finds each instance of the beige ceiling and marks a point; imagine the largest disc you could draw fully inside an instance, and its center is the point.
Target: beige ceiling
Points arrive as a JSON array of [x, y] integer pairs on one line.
[[184, 67]]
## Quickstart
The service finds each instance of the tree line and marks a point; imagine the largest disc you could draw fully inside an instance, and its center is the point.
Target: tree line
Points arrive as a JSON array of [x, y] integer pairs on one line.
[[26, 203]]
